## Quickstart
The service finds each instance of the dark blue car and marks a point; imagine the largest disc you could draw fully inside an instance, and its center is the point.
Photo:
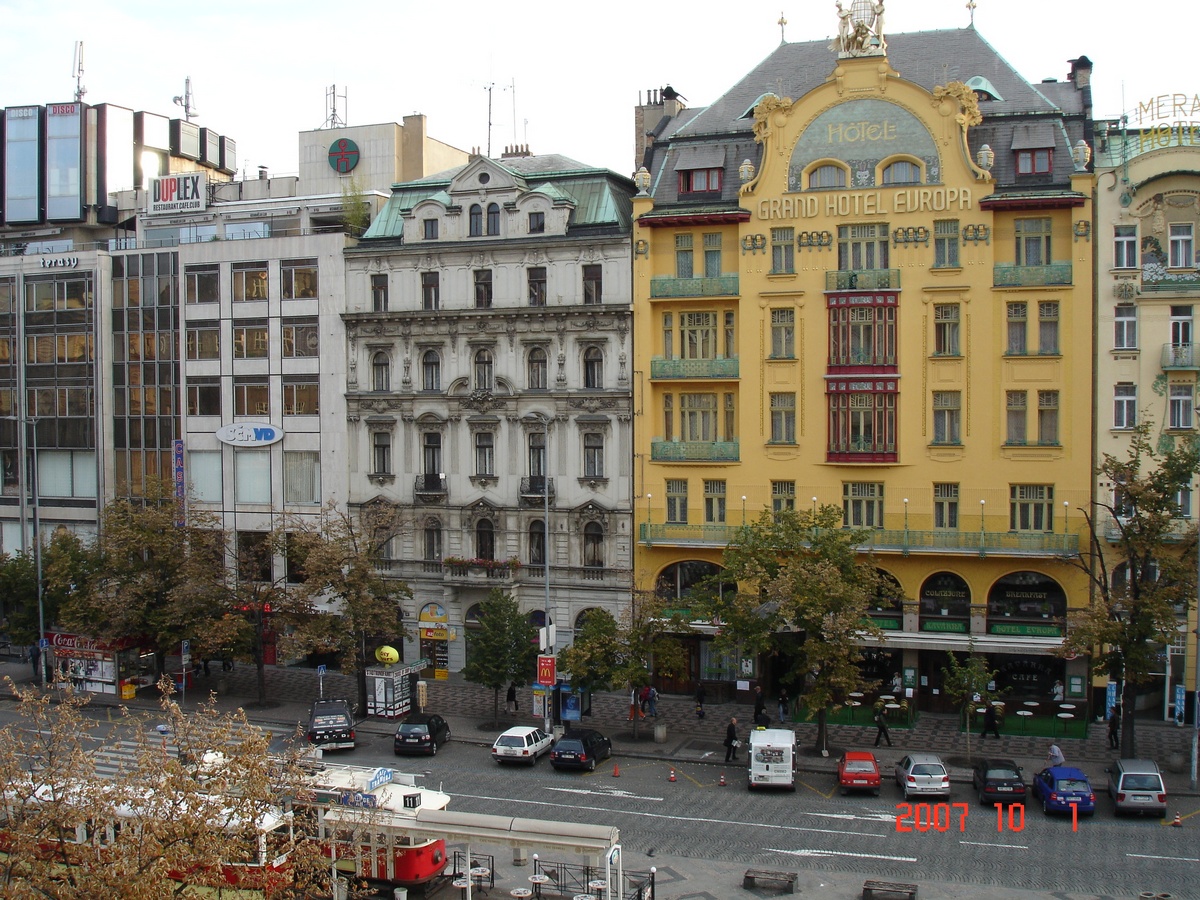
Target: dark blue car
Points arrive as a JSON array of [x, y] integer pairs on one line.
[[1060, 787]]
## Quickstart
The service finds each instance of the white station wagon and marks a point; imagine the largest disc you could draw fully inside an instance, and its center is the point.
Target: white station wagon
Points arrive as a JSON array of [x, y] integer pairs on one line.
[[521, 744]]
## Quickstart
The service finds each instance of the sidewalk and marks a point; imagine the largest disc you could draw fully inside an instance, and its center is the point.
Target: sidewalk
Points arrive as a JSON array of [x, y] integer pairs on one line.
[[469, 709]]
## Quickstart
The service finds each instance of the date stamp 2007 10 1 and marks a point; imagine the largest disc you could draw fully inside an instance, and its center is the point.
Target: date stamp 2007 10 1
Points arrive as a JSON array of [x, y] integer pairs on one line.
[[923, 817]]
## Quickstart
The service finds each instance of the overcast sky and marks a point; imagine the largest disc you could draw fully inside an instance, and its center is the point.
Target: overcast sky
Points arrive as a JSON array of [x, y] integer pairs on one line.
[[260, 71]]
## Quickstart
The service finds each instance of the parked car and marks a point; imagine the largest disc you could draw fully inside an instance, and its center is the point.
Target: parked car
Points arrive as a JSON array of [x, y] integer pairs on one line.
[[998, 781], [580, 749], [923, 774], [858, 770], [521, 744], [1136, 785], [421, 733], [1060, 787], [331, 725]]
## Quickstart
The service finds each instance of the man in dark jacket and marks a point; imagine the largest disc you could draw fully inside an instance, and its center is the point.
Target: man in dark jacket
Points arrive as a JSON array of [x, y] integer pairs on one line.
[[731, 741]]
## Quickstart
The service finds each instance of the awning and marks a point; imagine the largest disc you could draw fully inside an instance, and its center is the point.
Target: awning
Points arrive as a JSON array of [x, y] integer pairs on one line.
[[1033, 137], [983, 643], [707, 156]]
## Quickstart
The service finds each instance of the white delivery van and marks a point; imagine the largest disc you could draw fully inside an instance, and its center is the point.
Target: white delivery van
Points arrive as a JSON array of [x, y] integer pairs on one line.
[[772, 758]]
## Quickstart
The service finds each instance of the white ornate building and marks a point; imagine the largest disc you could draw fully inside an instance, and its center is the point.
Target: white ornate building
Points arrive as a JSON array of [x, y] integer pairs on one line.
[[488, 390]]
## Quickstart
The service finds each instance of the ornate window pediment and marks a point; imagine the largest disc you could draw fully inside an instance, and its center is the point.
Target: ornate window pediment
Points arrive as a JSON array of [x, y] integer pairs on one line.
[[589, 512]]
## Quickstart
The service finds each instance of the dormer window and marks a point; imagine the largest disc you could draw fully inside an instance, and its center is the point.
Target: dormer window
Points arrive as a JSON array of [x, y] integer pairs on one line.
[[430, 229], [827, 176], [699, 181], [1034, 162], [902, 171], [537, 223]]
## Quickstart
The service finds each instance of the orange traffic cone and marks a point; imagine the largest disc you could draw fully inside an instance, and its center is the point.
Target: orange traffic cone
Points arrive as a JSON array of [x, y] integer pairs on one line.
[[1178, 823], [616, 771], [721, 783], [672, 778]]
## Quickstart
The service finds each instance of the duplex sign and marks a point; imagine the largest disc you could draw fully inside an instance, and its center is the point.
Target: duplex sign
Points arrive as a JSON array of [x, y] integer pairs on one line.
[[177, 193]]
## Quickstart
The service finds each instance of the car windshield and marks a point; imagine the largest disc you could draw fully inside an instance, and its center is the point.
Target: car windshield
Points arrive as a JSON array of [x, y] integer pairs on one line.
[[510, 740], [858, 765], [414, 729], [1142, 783], [1002, 773], [1071, 785], [927, 769]]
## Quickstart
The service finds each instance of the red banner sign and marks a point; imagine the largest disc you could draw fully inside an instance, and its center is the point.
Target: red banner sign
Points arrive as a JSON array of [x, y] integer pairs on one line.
[[547, 670]]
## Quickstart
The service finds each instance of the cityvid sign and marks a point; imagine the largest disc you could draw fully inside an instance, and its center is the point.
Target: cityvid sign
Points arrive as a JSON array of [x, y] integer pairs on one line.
[[249, 434], [178, 193]]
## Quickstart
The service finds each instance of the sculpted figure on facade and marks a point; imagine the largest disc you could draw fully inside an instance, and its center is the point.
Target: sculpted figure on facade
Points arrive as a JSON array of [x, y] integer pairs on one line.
[[860, 29]]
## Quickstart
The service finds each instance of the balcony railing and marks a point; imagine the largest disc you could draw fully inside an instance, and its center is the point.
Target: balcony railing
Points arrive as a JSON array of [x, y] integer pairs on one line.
[[667, 286], [693, 368], [430, 487], [536, 488], [973, 543], [1008, 275], [1178, 530], [1180, 356], [694, 451], [530, 576], [1156, 277], [862, 280]]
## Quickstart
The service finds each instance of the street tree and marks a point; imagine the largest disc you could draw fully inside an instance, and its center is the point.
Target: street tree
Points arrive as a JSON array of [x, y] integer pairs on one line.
[[969, 685], [152, 573], [1140, 563], [593, 659], [335, 573], [167, 824], [503, 650], [802, 574]]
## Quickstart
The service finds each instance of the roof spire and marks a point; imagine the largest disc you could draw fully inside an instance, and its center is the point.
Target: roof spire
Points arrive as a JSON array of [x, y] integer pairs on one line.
[[782, 22]]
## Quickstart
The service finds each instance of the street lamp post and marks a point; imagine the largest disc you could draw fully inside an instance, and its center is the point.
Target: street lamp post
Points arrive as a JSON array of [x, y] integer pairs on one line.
[[546, 554], [22, 474]]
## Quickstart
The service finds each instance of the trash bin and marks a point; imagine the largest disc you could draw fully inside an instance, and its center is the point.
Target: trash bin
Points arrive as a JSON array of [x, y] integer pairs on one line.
[[400, 894], [660, 732]]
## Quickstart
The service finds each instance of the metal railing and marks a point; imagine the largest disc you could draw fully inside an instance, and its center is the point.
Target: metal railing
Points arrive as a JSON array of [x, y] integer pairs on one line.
[[1009, 275], [694, 451], [430, 485], [537, 486], [1180, 356], [668, 286], [862, 279], [693, 368], [905, 541]]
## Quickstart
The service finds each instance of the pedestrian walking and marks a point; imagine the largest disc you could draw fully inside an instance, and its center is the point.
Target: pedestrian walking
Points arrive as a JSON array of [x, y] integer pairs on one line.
[[731, 740], [1054, 757], [760, 701], [881, 727], [700, 696], [510, 699], [785, 705], [652, 701], [1114, 728], [634, 707], [991, 722]]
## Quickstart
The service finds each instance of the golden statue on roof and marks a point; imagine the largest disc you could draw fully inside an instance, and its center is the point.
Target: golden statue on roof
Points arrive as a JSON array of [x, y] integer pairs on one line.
[[860, 29]]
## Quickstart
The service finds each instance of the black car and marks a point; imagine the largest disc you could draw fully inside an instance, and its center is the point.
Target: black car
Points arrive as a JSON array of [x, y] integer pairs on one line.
[[331, 725], [421, 733], [998, 781], [580, 749]]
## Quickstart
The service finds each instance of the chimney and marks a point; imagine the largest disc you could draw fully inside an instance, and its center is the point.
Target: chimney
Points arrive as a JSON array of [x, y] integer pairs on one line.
[[1081, 72], [262, 173], [516, 151]]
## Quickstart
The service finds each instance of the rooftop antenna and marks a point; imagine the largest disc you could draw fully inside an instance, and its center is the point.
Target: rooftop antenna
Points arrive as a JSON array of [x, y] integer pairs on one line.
[[77, 72], [332, 119], [187, 101], [488, 88], [513, 87]]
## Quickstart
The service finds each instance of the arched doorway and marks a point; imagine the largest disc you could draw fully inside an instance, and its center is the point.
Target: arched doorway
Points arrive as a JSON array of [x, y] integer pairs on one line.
[[679, 584]]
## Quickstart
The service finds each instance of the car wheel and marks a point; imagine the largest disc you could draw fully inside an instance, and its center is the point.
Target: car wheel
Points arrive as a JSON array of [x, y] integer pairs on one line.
[[592, 766], [433, 749], [843, 792], [1045, 807], [875, 793], [905, 792], [982, 799]]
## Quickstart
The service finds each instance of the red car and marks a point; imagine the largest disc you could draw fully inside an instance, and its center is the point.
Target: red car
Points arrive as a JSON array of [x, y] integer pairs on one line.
[[857, 770]]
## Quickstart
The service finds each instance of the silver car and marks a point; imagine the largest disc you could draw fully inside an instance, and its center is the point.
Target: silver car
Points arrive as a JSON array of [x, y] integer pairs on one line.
[[1136, 785], [924, 775]]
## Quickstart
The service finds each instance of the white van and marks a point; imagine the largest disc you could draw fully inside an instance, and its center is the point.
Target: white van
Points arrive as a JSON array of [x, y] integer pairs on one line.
[[772, 758]]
